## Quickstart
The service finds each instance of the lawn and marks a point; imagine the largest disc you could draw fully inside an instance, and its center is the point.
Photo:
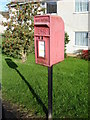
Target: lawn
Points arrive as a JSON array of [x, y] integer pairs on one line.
[[26, 84]]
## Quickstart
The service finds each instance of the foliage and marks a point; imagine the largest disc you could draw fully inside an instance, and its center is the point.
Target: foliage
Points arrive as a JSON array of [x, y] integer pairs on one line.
[[30, 89], [85, 54], [19, 35], [66, 42]]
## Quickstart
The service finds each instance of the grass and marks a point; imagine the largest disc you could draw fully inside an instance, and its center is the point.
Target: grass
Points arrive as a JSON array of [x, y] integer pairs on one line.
[[27, 85], [0, 64]]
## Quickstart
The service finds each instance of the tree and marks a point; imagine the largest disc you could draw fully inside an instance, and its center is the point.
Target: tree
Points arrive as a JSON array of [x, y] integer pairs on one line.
[[19, 35]]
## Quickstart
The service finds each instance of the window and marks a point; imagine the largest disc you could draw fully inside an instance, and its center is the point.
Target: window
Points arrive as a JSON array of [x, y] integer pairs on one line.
[[43, 4], [20, 7], [81, 5], [51, 7], [81, 38]]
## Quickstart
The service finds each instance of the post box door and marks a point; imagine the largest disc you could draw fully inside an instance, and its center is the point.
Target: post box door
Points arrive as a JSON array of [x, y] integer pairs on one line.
[[42, 50]]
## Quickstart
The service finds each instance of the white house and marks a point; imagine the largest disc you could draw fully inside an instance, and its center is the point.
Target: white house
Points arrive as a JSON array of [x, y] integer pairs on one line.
[[75, 14], [2, 19]]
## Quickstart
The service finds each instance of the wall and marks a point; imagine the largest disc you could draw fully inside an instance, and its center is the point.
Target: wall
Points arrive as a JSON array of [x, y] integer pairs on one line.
[[2, 28], [73, 22]]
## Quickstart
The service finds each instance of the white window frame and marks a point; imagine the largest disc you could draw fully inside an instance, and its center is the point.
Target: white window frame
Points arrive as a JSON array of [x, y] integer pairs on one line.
[[79, 45], [79, 7]]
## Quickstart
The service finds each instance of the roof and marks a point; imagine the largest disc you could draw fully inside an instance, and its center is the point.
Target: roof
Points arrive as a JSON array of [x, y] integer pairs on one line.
[[22, 1], [5, 14], [33, 0], [14, 2], [2, 19]]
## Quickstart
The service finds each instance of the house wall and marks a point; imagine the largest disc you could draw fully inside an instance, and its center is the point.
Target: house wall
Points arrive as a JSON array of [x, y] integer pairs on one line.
[[2, 28], [73, 22]]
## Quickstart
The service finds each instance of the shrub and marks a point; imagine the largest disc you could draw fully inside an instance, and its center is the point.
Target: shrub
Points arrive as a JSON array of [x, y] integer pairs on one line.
[[19, 36], [85, 54], [65, 43]]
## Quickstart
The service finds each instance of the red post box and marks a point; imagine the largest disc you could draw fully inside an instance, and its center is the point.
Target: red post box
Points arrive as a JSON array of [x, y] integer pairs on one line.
[[49, 39]]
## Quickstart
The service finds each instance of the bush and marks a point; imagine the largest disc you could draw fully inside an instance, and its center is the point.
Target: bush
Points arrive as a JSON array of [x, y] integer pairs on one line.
[[85, 54], [65, 44], [19, 36]]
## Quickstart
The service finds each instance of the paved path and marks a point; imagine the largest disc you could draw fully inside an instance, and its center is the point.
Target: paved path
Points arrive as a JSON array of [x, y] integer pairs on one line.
[[13, 112], [10, 112]]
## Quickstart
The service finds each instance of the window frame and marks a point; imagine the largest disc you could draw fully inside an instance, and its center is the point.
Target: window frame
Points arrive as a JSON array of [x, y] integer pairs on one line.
[[83, 11], [79, 45], [47, 8]]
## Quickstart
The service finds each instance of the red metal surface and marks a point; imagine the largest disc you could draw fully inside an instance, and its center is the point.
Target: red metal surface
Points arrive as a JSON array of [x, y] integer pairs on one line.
[[50, 29]]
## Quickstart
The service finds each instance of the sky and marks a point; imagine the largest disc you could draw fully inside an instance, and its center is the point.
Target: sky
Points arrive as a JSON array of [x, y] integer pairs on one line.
[[3, 5]]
